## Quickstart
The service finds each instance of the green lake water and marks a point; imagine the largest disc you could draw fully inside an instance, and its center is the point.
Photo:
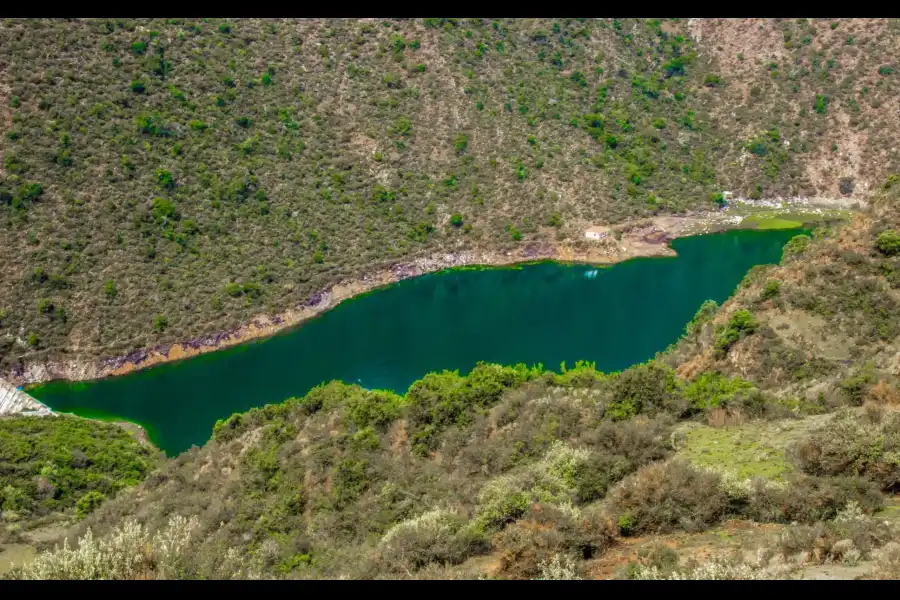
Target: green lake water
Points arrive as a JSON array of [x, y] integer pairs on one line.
[[537, 313]]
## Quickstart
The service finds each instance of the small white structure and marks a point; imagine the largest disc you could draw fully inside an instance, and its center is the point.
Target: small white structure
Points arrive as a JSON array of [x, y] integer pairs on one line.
[[596, 233], [16, 402]]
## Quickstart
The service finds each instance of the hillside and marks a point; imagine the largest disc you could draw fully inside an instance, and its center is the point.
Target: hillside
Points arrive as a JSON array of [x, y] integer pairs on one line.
[[505, 473], [751, 447], [825, 323], [56, 470], [168, 180]]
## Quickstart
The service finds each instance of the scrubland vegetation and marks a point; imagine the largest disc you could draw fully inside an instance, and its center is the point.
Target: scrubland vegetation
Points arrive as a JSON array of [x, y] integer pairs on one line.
[[169, 179], [775, 414]]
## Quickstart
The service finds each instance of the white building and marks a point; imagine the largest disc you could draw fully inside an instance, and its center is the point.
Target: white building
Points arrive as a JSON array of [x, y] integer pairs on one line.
[[596, 233]]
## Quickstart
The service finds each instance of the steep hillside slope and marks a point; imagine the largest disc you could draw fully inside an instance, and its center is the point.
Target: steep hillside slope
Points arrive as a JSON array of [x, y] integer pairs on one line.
[[519, 473], [507, 472], [166, 180], [825, 323], [55, 470]]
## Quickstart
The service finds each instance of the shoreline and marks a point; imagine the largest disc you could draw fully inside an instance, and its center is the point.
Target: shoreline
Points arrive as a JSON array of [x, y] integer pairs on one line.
[[644, 238]]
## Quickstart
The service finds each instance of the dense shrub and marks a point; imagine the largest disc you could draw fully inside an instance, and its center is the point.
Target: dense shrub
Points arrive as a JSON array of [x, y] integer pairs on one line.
[[888, 242], [546, 532], [131, 552], [433, 537], [850, 444], [439, 400], [740, 324], [771, 289], [851, 536], [665, 496], [647, 388], [805, 499], [50, 464], [551, 480], [796, 245], [712, 390]]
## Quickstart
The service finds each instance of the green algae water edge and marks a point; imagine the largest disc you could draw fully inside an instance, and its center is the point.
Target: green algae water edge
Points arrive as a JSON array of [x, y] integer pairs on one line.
[[539, 313]]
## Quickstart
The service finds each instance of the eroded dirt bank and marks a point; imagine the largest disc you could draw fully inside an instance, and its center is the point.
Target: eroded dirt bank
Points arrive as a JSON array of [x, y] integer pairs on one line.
[[643, 238]]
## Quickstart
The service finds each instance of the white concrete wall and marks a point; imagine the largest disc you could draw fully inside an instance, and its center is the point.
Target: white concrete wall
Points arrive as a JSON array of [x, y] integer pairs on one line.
[[15, 402]]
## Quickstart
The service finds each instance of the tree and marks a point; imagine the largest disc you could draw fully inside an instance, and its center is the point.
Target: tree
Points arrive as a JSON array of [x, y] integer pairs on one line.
[[739, 325], [163, 211], [160, 323], [456, 220], [109, 288], [165, 179]]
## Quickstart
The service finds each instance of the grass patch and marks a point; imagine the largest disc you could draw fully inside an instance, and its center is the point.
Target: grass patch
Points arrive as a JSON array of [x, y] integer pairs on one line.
[[773, 223], [747, 451]]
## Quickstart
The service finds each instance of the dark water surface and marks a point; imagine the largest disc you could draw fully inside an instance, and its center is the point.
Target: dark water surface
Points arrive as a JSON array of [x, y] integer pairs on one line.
[[541, 313]]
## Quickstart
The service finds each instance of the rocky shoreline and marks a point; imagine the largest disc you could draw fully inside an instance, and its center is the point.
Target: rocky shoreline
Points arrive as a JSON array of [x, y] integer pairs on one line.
[[647, 237], [320, 301]]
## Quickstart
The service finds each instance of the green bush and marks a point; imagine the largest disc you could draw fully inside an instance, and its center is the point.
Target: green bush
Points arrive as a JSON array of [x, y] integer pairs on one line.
[[403, 127], [160, 323], [713, 390], [662, 497], [852, 445], [87, 503], [164, 211], [771, 289], [165, 179], [461, 143], [52, 464], [440, 400], [888, 242], [796, 245], [597, 474], [646, 388], [741, 324], [351, 478]]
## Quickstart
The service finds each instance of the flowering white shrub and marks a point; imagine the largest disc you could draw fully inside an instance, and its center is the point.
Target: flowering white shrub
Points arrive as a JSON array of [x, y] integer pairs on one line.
[[129, 552], [424, 539], [551, 480], [710, 570], [887, 562], [850, 514], [557, 570]]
